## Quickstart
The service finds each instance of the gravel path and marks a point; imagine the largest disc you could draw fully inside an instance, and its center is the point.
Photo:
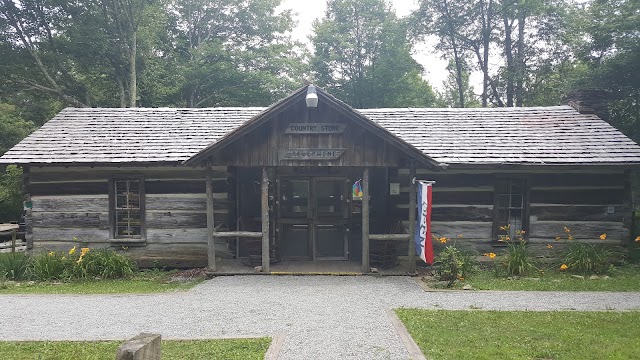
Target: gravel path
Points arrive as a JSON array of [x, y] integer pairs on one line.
[[319, 317]]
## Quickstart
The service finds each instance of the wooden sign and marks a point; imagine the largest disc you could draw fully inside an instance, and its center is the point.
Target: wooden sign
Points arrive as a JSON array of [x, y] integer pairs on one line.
[[313, 154], [315, 128]]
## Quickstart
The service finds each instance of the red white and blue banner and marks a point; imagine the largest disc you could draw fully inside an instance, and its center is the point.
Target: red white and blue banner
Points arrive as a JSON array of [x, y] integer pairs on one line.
[[423, 241]]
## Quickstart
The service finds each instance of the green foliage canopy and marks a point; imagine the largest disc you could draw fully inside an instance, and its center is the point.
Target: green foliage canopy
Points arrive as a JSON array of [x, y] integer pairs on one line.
[[363, 56]]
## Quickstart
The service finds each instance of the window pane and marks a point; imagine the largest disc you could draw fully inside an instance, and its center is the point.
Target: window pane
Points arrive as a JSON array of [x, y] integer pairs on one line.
[[128, 217], [516, 200], [295, 198], [515, 222], [329, 198], [503, 201], [510, 208], [516, 187]]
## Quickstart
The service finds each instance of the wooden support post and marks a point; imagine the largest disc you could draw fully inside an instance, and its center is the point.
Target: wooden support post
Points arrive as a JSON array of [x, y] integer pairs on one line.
[[13, 240], [412, 219], [265, 220], [211, 249], [26, 189], [365, 221]]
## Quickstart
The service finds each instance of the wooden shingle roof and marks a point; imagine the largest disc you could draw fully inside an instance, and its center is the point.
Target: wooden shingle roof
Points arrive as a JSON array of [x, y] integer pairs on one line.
[[557, 135]]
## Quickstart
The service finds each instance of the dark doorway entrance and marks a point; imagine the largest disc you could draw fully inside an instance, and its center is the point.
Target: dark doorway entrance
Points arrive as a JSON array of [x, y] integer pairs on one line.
[[313, 218]]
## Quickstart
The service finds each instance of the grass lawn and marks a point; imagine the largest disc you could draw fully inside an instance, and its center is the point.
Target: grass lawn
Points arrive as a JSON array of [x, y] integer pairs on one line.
[[171, 349], [625, 278], [558, 335], [141, 283]]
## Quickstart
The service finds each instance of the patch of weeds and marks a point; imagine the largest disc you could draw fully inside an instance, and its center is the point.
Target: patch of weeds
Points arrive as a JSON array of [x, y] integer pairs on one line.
[[452, 264], [14, 266]]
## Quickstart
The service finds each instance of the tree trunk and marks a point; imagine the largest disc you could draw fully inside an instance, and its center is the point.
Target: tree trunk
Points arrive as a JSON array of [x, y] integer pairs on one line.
[[121, 92], [456, 56], [133, 91], [520, 66], [459, 75], [486, 14], [508, 53]]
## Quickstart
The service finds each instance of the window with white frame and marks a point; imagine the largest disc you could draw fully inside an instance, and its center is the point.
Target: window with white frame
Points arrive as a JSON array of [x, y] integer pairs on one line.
[[510, 209], [127, 208]]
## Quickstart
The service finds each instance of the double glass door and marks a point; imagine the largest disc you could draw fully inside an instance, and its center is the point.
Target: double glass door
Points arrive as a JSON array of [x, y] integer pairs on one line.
[[313, 218]]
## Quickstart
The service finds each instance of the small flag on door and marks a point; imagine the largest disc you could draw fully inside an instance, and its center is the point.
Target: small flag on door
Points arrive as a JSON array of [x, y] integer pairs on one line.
[[423, 242], [357, 190]]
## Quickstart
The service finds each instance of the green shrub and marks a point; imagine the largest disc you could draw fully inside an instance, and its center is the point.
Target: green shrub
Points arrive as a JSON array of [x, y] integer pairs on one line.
[[83, 264], [13, 266], [517, 259], [453, 264], [587, 259], [107, 264], [48, 266]]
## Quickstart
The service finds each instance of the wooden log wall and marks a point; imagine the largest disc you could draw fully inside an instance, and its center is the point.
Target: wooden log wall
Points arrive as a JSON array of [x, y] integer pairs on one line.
[[589, 202], [73, 203]]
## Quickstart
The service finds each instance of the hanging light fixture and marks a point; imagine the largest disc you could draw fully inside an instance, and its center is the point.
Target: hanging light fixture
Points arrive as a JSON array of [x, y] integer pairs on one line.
[[312, 97]]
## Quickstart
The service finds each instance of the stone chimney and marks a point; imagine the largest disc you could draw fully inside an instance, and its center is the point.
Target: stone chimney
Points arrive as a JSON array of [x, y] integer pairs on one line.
[[589, 101]]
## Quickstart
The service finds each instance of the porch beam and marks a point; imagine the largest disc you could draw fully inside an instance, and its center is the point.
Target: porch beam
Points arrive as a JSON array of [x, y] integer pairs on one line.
[[211, 247], [365, 221], [236, 234], [412, 218], [265, 220]]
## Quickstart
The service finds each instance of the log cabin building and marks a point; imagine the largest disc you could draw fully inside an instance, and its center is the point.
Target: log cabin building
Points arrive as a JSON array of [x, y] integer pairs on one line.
[[234, 187]]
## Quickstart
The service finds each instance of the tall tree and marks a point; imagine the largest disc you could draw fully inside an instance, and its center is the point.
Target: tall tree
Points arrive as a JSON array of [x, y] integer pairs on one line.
[[509, 39], [122, 19], [457, 82], [37, 62], [443, 19], [362, 54], [233, 51], [611, 52]]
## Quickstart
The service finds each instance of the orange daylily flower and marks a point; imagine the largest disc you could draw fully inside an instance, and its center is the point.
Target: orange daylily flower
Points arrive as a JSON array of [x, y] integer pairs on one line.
[[563, 267], [603, 237], [549, 246]]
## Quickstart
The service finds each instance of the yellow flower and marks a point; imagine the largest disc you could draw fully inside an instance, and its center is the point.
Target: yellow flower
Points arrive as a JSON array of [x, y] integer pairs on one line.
[[570, 237], [72, 251], [558, 238], [638, 239], [443, 240], [507, 238], [563, 267], [549, 246], [567, 230], [51, 253], [84, 251], [603, 237], [490, 255], [505, 228]]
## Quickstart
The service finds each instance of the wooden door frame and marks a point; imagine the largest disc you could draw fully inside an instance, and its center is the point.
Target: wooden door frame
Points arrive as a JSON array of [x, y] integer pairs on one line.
[[312, 220]]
